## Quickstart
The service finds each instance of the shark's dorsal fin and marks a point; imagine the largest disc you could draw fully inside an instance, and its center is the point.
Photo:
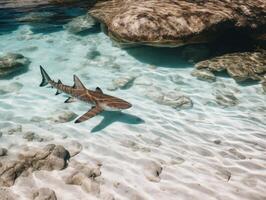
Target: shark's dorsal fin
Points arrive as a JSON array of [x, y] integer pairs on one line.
[[99, 90], [91, 113], [77, 83], [70, 100], [58, 91]]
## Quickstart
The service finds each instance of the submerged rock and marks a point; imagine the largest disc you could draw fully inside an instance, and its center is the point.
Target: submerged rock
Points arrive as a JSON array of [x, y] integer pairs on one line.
[[124, 82], [11, 63], [44, 194], [7, 194], [152, 171], [80, 24], [204, 75], [12, 87], [3, 151], [51, 157], [63, 116], [174, 99], [34, 17], [177, 22], [226, 99], [240, 66], [84, 175]]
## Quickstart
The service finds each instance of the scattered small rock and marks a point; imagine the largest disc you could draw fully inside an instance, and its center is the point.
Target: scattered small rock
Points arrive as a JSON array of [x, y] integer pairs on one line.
[[63, 116], [93, 54], [17, 129], [237, 154], [217, 141], [224, 174], [44, 194], [34, 17], [124, 82], [3, 151], [11, 63], [29, 136], [226, 99], [80, 24], [84, 176], [204, 75], [74, 148], [175, 99], [12, 87], [152, 171]]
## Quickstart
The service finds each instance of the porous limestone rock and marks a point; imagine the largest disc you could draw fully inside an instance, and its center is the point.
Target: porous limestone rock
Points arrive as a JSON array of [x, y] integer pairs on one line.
[[226, 98], [174, 99], [3, 151], [84, 175], [123, 82], [51, 157], [204, 75], [152, 171], [80, 24], [44, 194], [11, 63], [177, 22], [240, 66], [63, 116], [12, 87], [7, 194]]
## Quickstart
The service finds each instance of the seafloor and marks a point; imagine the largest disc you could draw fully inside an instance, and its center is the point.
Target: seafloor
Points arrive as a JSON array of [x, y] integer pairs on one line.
[[212, 148]]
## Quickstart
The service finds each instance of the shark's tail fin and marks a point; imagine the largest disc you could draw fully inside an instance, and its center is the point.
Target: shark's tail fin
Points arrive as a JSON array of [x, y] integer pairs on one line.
[[45, 77]]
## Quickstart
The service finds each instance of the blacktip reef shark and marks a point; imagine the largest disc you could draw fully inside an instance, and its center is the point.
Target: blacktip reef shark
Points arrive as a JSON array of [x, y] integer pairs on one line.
[[99, 101]]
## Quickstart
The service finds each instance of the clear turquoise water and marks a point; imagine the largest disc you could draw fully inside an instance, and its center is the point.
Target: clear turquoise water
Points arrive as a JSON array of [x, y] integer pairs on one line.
[[187, 134]]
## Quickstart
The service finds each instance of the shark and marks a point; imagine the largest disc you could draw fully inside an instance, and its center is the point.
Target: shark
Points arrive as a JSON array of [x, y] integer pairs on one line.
[[96, 98]]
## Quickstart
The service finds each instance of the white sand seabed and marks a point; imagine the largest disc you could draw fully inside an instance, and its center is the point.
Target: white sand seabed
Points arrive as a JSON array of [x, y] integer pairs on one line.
[[152, 151]]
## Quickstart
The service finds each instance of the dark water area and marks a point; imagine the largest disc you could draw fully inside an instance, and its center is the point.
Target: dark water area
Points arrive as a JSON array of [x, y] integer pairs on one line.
[[42, 18]]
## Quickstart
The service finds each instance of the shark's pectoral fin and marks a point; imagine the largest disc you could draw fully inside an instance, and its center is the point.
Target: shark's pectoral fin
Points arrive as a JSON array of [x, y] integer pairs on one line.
[[91, 113], [70, 100], [99, 90], [57, 92]]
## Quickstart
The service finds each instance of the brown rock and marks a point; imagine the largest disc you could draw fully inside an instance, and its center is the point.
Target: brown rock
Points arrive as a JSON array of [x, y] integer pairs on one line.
[[51, 157], [177, 22], [240, 66]]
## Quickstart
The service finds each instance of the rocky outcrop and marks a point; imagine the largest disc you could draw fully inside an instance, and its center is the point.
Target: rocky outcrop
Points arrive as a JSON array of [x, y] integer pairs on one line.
[[51, 157], [177, 22], [12, 63], [240, 66]]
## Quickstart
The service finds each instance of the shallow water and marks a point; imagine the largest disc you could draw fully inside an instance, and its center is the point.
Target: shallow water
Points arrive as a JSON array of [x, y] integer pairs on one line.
[[211, 151]]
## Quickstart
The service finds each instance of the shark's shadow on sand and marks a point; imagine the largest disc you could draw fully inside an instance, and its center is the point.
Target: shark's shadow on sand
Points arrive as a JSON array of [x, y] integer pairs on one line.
[[110, 117]]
